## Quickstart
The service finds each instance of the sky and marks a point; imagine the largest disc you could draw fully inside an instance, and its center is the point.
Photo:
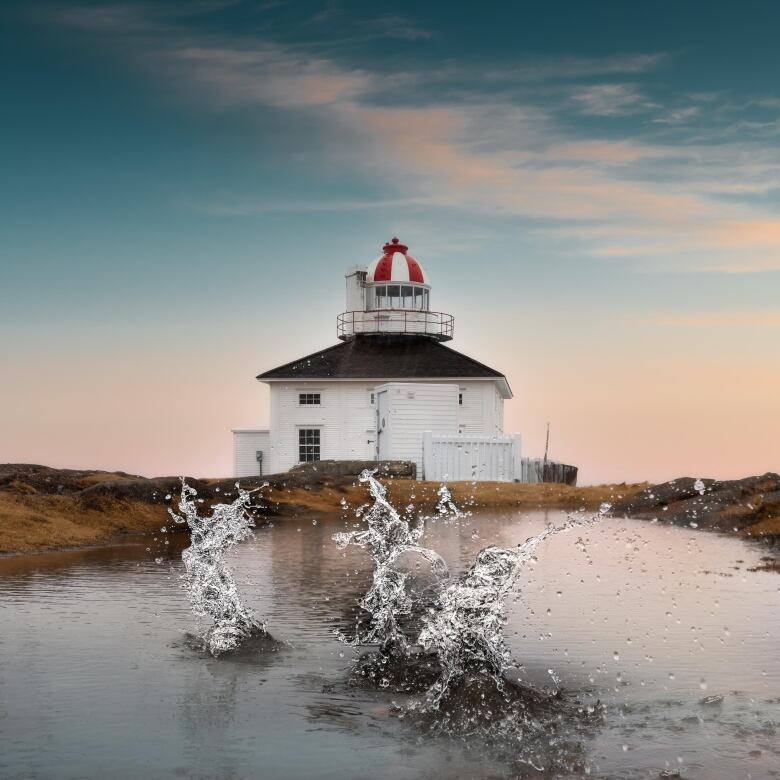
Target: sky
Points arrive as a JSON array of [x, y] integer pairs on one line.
[[593, 189]]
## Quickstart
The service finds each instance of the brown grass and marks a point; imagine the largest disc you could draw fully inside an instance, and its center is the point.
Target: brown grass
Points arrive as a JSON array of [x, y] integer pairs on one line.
[[769, 526], [31, 522], [468, 495]]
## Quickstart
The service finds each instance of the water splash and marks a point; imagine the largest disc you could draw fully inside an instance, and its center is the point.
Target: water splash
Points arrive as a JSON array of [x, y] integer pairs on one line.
[[208, 579], [446, 508], [387, 537], [466, 630]]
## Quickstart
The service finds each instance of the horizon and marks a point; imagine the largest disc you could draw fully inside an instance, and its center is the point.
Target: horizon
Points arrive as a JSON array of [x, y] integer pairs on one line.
[[593, 191]]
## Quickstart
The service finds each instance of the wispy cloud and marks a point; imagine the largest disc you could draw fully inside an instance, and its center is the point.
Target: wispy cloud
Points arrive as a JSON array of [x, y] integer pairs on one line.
[[678, 115], [660, 204], [573, 68], [265, 74], [398, 27], [611, 100], [244, 208]]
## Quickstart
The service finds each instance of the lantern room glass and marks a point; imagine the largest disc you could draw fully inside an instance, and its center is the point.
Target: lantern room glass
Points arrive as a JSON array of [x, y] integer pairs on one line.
[[404, 297]]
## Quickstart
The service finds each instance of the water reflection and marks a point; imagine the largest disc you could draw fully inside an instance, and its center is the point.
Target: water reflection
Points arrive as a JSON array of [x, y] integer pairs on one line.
[[96, 680]]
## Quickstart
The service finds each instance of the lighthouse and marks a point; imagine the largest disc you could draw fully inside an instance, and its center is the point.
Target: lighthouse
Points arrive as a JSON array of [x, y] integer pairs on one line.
[[391, 296], [389, 389]]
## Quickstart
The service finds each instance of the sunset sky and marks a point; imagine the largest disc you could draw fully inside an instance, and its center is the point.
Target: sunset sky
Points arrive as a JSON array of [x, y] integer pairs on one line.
[[593, 189]]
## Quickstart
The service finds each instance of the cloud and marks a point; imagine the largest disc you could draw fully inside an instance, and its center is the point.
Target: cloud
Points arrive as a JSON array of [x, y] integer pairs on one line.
[[398, 27], [676, 116], [573, 68], [265, 74], [611, 100], [243, 208], [653, 204]]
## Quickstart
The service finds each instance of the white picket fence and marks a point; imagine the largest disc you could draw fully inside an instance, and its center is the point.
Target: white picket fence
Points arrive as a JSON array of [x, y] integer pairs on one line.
[[480, 458]]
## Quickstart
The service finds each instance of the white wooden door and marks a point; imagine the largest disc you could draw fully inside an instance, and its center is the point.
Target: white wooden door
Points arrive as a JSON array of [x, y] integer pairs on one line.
[[382, 425], [371, 444]]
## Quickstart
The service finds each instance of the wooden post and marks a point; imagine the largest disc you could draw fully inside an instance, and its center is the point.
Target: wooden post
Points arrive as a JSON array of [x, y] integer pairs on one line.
[[427, 460], [517, 457]]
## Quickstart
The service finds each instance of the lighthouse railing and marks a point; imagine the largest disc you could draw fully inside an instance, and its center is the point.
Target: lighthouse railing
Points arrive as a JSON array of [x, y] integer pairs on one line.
[[439, 325]]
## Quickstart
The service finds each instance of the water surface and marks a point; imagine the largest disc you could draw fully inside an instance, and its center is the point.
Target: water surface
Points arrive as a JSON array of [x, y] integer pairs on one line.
[[97, 679]]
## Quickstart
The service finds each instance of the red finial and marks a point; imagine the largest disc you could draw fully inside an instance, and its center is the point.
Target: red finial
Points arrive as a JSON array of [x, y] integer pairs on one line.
[[394, 246]]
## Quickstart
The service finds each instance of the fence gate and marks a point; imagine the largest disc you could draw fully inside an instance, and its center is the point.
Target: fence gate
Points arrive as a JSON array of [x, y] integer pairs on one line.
[[481, 458]]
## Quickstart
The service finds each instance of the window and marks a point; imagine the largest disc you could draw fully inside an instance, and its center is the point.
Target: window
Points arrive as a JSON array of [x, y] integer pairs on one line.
[[407, 296], [460, 398], [380, 294], [394, 294], [373, 398], [308, 444], [309, 399]]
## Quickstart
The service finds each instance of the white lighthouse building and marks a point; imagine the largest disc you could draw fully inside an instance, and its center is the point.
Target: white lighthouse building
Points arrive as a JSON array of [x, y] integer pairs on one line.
[[389, 390]]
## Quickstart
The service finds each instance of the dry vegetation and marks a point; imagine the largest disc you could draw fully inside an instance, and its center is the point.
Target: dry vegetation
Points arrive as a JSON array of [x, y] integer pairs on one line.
[[44, 509], [31, 523], [480, 495]]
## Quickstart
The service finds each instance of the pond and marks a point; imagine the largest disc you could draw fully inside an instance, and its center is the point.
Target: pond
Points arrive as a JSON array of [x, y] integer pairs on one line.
[[666, 627]]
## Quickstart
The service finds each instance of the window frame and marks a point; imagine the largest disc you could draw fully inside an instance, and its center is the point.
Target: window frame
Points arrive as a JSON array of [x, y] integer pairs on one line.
[[404, 296], [309, 444], [311, 395]]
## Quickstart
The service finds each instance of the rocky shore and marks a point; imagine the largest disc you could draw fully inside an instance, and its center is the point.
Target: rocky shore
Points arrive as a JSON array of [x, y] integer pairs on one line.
[[43, 508], [748, 507]]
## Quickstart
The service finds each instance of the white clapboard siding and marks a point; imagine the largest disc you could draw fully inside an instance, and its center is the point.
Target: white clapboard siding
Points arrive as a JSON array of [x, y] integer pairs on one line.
[[463, 457], [345, 417], [348, 424], [247, 442], [413, 408]]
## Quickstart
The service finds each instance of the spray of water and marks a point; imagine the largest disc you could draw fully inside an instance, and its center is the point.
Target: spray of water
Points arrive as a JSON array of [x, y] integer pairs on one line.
[[466, 630], [387, 536], [446, 508], [208, 579]]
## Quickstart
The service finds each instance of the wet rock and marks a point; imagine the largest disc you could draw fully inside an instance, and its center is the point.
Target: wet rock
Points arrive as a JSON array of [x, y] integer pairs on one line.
[[404, 672], [528, 728], [721, 505], [260, 643]]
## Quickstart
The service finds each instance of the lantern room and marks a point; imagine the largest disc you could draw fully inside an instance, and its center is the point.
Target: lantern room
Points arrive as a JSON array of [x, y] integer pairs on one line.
[[391, 296]]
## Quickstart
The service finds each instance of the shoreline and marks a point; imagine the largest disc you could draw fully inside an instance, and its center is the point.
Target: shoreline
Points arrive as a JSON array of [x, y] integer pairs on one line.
[[47, 510], [44, 510]]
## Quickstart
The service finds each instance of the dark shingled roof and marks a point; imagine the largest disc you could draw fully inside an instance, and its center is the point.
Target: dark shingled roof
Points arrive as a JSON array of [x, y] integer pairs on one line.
[[384, 357]]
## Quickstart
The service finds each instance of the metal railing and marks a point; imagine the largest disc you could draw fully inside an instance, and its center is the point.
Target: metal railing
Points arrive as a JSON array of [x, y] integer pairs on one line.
[[437, 324]]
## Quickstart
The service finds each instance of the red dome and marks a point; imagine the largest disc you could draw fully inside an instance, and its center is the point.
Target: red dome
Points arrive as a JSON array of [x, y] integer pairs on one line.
[[395, 265]]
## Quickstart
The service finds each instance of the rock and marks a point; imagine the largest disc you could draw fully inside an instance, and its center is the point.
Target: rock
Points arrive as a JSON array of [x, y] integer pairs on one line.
[[722, 505], [352, 468]]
